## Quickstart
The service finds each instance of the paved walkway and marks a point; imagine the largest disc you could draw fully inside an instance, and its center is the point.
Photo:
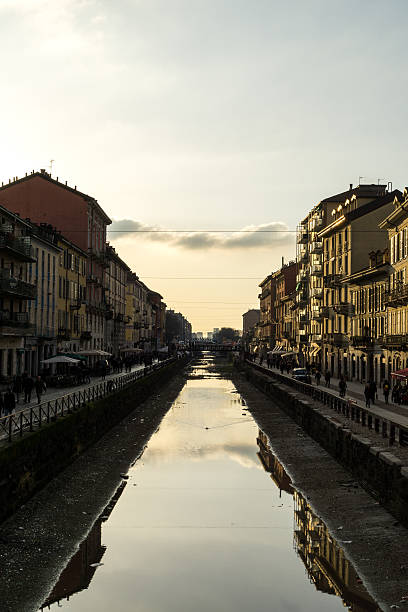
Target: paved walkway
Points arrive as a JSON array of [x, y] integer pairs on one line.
[[355, 391], [53, 393]]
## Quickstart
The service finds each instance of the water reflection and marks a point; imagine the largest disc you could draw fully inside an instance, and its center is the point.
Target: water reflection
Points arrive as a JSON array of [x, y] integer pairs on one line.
[[80, 570], [326, 565]]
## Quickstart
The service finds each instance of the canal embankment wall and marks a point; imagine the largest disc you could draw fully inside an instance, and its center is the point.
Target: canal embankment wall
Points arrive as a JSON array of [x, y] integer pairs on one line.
[[370, 461], [30, 462]]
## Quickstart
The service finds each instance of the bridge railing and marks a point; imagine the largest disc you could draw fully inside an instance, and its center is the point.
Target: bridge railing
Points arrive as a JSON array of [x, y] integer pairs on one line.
[[28, 419], [387, 427]]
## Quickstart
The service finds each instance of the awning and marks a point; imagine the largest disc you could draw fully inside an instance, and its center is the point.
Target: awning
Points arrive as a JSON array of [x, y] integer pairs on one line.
[[314, 351], [74, 356], [400, 373], [60, 359]]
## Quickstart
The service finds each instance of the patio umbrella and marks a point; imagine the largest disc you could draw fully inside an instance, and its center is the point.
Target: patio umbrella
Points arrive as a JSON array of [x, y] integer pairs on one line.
[[60, 359], [103, 353], [90, 353]]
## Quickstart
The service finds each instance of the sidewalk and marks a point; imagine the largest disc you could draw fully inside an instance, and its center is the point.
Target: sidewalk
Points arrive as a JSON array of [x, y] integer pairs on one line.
[[53, 393], [355, 391]]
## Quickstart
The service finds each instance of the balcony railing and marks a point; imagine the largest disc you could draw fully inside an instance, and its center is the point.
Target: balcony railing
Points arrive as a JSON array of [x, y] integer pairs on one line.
[[396, 341], [64, 333], [19, 320], [344, 308], [316, 338], [303, 238], [316, 292], [20, 247], [316, 247], [332, 280], [362, 342], [337, 339], [316, 270], [14, 287], [396, 297]]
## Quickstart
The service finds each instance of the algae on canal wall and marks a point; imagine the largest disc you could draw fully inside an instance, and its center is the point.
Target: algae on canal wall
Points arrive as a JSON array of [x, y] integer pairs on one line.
[[27, 464]]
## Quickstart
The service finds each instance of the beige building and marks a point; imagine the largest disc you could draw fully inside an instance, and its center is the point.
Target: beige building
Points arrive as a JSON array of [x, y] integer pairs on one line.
[[116, 276], [367, 291], [395, 341], [267, 324], [43, 311], [352, 233]]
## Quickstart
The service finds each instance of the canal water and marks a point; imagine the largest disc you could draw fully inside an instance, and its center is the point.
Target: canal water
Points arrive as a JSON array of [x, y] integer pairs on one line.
[[208, 520]]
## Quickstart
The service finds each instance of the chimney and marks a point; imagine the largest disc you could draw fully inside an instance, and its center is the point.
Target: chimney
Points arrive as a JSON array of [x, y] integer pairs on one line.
[[42, 170], [351, 186]]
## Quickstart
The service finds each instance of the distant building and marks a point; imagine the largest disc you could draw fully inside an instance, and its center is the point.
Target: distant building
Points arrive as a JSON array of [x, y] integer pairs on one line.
[[250, 319]]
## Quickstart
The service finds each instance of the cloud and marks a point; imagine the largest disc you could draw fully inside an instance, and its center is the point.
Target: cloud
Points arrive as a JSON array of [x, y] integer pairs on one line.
[[266, 235]]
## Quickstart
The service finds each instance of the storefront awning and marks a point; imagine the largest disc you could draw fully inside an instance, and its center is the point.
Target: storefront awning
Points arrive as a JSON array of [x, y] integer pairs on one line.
[[400, 373]]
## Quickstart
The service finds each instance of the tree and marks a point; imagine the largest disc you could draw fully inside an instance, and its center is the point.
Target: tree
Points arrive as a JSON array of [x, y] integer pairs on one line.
[[226, 334]]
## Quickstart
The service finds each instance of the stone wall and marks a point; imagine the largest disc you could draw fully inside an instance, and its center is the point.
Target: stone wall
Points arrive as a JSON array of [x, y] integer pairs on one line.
[[382, 473], [27, 464]]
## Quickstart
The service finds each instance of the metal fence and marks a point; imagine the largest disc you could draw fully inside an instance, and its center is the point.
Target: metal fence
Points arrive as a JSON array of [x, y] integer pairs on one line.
[[15, 424], [387, 427]]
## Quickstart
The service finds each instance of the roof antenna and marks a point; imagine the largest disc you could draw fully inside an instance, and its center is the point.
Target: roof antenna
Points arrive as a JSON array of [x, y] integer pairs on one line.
[[51, 162], [359, 179]]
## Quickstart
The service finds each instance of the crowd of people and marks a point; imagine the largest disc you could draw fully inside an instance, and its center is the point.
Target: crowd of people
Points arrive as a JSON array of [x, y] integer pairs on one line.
[[23, 386], [398, 390]]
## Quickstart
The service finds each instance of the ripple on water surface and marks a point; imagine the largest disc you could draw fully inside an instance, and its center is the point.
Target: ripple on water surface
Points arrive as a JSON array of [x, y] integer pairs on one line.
[[209, 520]]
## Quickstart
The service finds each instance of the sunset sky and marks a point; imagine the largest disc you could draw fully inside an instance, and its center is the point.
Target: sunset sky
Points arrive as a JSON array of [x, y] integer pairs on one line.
[[205, 115]]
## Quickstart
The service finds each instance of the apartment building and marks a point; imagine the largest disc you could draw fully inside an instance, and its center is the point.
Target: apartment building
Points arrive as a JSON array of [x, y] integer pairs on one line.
[[309, 287], [352, 233], [395, 341], [155, 301], [285, 284], [43, 310], [74, 322], [16, 292], [44, 199], [115, 289], [266, 329], [368, 289]]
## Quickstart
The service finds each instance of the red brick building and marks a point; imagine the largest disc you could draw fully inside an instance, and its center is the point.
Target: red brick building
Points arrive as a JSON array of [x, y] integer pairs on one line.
[[79, 217]]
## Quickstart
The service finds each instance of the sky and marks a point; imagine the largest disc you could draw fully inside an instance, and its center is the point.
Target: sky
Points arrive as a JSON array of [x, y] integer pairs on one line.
[[209, 116]]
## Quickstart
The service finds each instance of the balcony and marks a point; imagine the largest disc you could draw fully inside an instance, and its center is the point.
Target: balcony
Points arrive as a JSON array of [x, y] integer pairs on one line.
[[336, 339], [303, 237], [17, 247], [317, 314], [64, 333], [14, 287], [395, 341], [325, 312], [316, 270], [396, 297], [344, 308], [316, 338], [304, 318], [316, 292], [316, 248], [303, 256], [86, 335], [302, 297], [362, 342], [332, 280], [18, 321]]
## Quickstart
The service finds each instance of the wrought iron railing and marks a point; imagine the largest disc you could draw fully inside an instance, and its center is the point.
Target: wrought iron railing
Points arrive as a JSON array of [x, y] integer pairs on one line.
[[28, 419]]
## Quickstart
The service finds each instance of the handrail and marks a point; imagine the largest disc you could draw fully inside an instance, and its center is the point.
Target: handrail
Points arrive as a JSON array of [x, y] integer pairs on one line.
[[27, 419], [386, 427]]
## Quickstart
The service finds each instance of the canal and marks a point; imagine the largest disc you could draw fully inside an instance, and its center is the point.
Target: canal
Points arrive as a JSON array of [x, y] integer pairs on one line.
[[208, 519]]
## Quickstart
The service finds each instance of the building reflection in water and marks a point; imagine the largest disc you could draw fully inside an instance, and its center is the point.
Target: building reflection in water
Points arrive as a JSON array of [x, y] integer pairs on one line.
[[324, 559], [79, 572]]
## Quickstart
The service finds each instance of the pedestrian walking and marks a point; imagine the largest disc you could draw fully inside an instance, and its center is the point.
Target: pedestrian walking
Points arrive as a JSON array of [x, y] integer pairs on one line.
[[367, 394], [396, 393], [318, 376], [9, 401], [17, 387], [327, 378], [386, 390], [40, 388], [342, 386], [373, 391], [28, 385]]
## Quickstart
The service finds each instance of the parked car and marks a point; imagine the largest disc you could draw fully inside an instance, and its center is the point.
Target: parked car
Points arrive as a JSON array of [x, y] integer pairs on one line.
[[302, 375]]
